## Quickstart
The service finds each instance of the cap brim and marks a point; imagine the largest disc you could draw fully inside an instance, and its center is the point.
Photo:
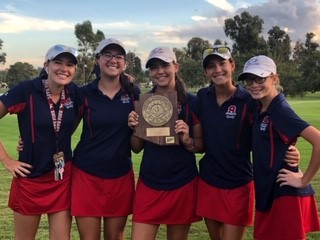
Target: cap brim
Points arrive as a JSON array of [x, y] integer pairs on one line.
[[223, 56], [70, 54], [114, 45], [257, 72], [165, 59], [215, 53]]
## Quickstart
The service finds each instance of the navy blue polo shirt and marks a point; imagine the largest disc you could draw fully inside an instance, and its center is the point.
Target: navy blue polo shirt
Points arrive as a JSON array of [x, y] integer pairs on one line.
[[28, 100], [104, 148], [171, 167], [227, 131], [273, 132]]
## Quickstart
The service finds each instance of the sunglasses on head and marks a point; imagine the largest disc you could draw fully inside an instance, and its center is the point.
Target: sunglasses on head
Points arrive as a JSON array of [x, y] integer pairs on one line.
[[220, 50]]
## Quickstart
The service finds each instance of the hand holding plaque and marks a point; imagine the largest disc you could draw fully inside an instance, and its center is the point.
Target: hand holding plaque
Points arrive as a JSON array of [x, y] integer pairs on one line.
[[158, 113]]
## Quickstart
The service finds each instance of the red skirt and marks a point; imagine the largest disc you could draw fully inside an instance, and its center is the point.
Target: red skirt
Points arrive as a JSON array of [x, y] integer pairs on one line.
[[165, 207], [230, 206], [40, 195], [289, 218], [93, 196]]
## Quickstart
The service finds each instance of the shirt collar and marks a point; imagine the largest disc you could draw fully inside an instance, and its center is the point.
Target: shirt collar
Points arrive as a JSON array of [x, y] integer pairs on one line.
[[275, 102], [240, 93]]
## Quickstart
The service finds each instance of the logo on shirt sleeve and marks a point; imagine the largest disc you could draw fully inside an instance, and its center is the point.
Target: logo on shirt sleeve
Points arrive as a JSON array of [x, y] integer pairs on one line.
[[231, 112], [264, 124]]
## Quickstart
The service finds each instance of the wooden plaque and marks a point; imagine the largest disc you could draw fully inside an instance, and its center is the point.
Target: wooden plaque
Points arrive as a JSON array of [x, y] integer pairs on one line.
[[157, 116]]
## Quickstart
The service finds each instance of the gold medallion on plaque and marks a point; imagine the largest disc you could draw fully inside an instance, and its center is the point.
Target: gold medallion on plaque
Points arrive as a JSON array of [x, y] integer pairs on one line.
[[158, 116], [157, 110]]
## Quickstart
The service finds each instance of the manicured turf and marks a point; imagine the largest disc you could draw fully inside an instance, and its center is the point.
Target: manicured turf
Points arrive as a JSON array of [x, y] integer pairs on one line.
[[308, 108]]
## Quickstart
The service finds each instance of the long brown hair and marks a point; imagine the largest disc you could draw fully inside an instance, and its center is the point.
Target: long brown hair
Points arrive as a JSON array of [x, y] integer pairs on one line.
[[181, 90]]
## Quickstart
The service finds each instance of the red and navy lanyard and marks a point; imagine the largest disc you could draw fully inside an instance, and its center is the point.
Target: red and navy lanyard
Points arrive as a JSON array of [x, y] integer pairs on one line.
[[56, 120]]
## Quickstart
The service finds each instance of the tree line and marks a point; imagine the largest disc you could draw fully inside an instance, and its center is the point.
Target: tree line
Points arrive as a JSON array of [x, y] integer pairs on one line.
[[298, 63]]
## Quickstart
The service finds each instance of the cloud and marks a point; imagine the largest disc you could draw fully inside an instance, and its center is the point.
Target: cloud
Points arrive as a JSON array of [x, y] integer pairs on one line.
[[222, 4], [9, 8], [178, 36], [296, 16], [168, 35], [198, 18], [13, 23], [124, 25]]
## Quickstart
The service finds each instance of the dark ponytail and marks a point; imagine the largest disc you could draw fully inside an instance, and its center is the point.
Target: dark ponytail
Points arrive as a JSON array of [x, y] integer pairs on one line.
[[126, 83], [43, 74], [182, 98], [181, 90], [95, 71]]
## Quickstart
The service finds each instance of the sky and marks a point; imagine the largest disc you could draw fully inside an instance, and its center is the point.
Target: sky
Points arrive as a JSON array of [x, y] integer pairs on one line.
[[28, 28]]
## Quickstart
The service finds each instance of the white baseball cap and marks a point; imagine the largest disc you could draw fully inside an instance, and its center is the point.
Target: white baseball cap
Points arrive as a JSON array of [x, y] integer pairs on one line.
[[58, 49], [106, 42], [163, 53], [261, 66]]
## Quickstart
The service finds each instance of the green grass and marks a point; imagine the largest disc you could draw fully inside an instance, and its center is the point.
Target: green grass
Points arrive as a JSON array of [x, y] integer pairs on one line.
[[308, 108]]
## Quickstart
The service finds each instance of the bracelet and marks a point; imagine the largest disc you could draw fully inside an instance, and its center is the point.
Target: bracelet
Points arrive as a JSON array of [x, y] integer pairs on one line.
[[192, 146]]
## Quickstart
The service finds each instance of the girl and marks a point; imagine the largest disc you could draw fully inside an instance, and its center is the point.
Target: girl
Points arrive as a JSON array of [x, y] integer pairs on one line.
[[46, 117], [103, 181], [285, 204], [167, 185]]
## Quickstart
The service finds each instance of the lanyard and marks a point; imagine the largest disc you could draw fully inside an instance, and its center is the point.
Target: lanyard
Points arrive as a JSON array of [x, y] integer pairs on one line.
[[56, 120]]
